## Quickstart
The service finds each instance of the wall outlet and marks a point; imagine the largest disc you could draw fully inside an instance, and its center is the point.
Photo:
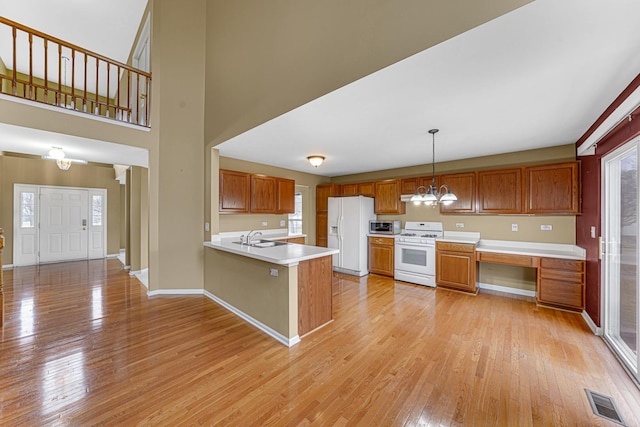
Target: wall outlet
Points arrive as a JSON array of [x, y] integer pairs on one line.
[[514, 227], [593, 231], [459, 224], [282, 223], [206, 226], [273, 272], [264, 223], [546, 227]]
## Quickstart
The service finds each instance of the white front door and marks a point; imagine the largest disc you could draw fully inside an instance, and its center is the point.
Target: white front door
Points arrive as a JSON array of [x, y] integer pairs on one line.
[[63, 224], [621, 275]]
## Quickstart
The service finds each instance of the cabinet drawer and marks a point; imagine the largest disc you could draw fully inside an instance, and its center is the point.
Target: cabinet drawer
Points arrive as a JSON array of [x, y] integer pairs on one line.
[[389, 241], [455, 247], [562, 264], [561, 294], [511, 259], [563, 275]]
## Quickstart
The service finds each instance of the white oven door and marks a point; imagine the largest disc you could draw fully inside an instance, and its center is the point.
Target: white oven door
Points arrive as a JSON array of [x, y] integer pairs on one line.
[[415, 258]]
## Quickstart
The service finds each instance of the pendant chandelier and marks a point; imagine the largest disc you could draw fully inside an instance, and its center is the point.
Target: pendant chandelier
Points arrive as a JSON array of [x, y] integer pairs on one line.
[[432, 195]]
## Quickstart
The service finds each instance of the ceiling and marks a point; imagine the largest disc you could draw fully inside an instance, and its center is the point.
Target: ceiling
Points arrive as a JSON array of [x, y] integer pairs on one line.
[[536, 77], [539, 76]]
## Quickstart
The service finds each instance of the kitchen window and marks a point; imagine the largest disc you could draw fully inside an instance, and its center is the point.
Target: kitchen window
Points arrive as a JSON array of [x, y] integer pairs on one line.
[[295, 219]]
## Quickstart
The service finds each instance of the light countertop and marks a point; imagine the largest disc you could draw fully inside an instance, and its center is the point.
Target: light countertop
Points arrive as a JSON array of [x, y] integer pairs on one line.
[[289, 255], [549, 250]]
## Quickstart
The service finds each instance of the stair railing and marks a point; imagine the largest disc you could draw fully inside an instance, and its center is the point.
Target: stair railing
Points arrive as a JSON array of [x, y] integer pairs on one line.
[[48, 70]]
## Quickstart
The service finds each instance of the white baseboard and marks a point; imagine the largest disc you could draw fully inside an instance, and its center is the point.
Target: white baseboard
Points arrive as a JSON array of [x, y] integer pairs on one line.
[[289, 342], [175, 292], [597, 330], [507, 290], [7, 267], [112, 255]]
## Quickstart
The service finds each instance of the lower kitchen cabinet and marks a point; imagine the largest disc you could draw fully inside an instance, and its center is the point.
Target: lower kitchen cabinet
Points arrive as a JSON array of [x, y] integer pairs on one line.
[[299, 240], [561, 283], [456, 266], [381, 255]]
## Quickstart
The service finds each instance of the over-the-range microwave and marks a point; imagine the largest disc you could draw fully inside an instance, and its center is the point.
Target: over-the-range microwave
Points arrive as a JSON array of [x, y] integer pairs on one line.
[[385, 227]]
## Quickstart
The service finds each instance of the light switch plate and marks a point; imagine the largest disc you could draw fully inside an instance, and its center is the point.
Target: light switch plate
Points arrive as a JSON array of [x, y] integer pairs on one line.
[[593, 231], [206, 226], [273, 272], [282, 223], [514, 227], [546, 227], [459, 224], [265, 223]]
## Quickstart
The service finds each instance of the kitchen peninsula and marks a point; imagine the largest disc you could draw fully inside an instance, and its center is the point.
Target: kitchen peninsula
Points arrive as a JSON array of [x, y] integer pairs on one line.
[[284, 289]]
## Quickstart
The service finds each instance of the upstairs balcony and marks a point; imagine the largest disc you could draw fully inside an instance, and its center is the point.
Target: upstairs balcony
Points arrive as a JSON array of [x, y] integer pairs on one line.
[[40, 68]]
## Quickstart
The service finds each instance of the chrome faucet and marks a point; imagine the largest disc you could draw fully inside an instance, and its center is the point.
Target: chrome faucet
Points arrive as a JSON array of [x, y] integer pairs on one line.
[[250, 236]]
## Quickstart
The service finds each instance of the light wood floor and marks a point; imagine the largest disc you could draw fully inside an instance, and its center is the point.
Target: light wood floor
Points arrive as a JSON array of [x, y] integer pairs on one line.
[[82, 344]]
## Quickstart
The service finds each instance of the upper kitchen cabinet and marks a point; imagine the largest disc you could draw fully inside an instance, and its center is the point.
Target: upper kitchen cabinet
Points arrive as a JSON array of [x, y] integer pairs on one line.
[[387, 197], [409, 185], [366, 189], [349, 190], [234, 192], [323, 192], [463, 185], [500, 191], [263, 194], [553, 189], [285, 200]]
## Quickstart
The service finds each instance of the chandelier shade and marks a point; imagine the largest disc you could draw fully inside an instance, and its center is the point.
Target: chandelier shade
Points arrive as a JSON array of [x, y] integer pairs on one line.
[[432, 195]]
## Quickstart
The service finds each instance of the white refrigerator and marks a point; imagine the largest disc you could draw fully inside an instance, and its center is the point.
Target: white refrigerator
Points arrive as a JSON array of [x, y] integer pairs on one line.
[[348, 225]]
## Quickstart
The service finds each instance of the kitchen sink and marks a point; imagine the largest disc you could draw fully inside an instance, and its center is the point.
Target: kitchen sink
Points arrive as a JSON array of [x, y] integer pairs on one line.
[[263, 243]]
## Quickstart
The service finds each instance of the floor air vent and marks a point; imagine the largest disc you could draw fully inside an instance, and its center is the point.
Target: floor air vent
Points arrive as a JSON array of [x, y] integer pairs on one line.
[[603, 406]]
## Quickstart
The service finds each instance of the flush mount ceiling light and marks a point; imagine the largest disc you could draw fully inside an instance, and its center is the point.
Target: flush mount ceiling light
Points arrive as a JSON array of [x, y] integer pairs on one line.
[[315, 160], [58, 155], [433, 195]]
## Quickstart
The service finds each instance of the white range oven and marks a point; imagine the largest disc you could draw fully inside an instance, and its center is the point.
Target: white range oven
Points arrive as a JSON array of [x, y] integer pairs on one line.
[[415, 253]]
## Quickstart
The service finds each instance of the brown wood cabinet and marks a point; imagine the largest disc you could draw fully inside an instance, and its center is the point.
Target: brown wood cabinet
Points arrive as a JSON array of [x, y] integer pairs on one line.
[[561, 283], [553, 189], [263, 194], [366, 189], [234, 191], [299, 240], [349, 190], [456, 266], [323, 192], [500, 191], [463, 185], [381, 252], [409, 185], [387, 197], [314, 294], [285, 199]]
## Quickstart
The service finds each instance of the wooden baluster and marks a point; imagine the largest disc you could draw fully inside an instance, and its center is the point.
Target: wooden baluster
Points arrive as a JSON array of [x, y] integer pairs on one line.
[[84, 99], [14, 80], [59, 74], [46, 71], [138, 98], [30, 66], [148, 98], [108, 81], [73, 79], [128, 95], [97, 106], [118, 95]]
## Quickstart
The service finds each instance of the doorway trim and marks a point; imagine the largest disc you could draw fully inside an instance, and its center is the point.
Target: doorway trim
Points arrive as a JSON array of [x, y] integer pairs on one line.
[[26, 240]]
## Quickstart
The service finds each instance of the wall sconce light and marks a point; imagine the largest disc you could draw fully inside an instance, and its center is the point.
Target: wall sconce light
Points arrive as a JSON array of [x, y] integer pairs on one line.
[[315, 160]]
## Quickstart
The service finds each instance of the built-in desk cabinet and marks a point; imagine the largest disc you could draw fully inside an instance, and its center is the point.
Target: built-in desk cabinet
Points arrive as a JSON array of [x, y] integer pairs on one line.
[[561, 283], [381, 255], [456, 266]]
